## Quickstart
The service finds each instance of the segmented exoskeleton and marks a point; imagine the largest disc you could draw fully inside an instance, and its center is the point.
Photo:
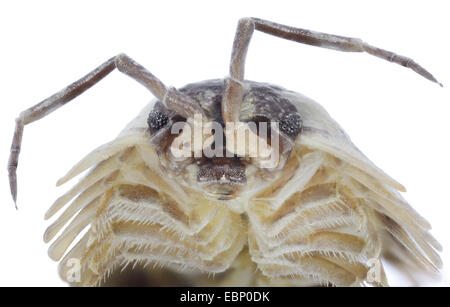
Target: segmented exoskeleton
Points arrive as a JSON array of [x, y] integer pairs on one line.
[[323, 215]]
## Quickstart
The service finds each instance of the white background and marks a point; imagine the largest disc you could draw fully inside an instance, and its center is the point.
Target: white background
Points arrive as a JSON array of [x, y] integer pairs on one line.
[[398, 119]]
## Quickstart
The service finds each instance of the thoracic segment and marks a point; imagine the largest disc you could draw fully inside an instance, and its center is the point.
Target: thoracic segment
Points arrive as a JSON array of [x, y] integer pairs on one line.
[[321, 230]]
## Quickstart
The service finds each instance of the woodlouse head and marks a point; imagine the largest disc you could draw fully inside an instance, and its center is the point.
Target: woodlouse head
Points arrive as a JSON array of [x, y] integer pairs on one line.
[[207, 151]]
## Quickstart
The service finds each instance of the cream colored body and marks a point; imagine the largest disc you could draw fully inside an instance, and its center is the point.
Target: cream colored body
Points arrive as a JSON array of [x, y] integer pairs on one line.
[[322, 219]]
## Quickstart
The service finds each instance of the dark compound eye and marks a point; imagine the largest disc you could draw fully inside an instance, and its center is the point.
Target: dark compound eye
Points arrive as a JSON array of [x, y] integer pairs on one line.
[[156, 120], [291, 124]]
